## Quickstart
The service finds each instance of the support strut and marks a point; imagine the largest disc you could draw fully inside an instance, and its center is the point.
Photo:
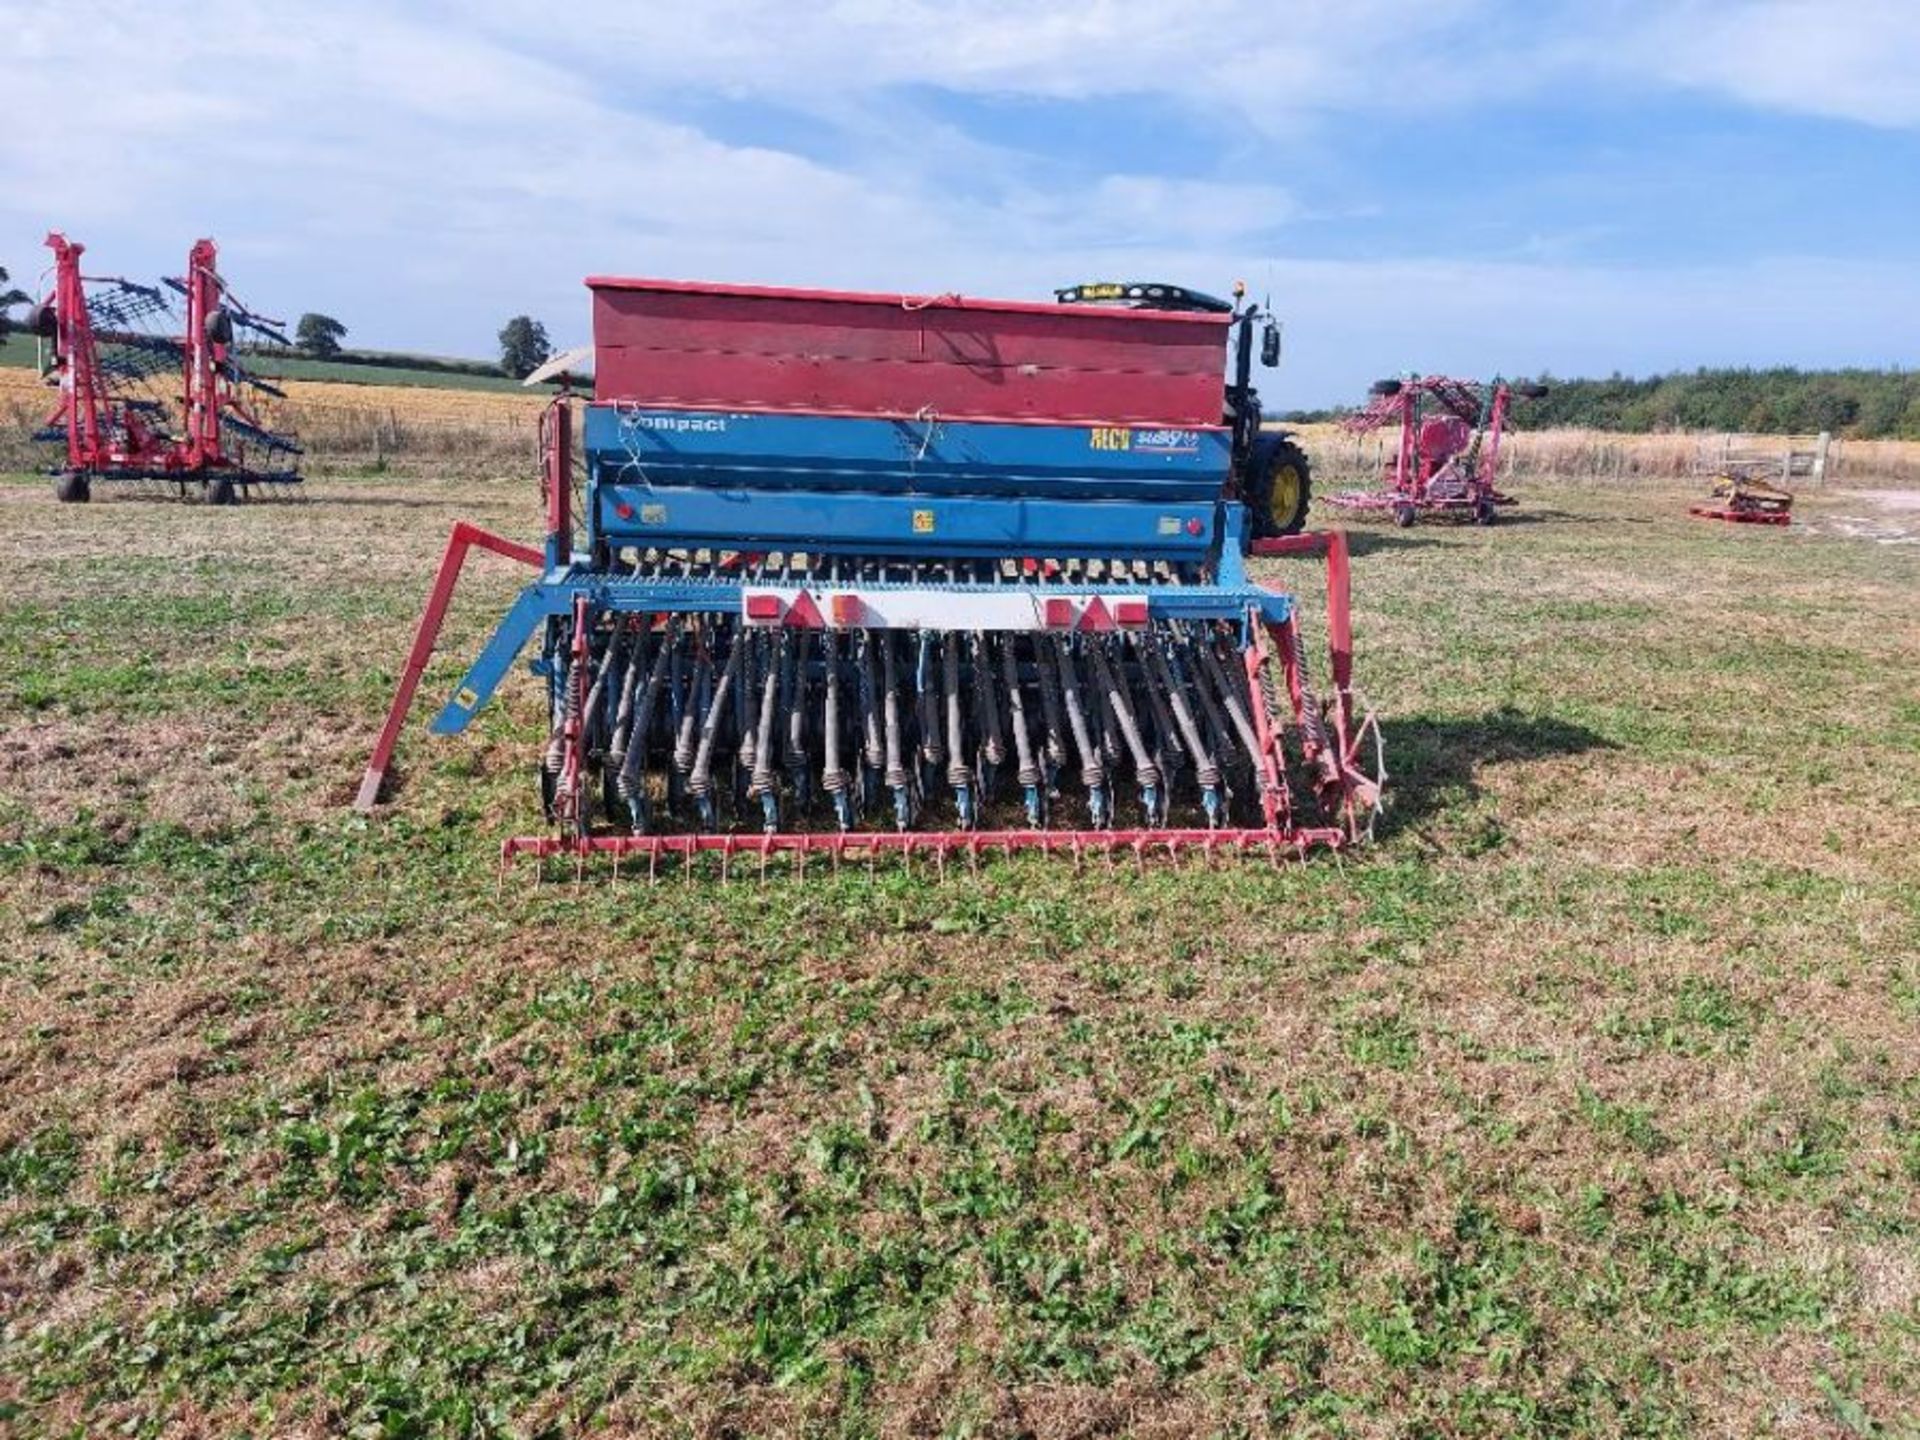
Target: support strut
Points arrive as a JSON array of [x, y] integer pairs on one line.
[[465, 537]]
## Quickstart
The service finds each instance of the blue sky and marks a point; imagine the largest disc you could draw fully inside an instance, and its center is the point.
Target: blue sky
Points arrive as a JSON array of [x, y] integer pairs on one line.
[[1454, 185]]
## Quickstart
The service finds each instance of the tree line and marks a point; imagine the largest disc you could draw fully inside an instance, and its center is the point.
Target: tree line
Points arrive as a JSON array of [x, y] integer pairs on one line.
[[524, 346], [1861, 404]]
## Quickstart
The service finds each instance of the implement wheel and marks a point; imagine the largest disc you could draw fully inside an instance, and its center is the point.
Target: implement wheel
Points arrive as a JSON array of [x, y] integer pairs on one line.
[[72, 489], [1281, 492], [221, 492]]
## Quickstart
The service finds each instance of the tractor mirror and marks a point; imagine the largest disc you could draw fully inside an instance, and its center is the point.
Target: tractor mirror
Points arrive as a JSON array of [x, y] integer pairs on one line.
[[1270, 345]]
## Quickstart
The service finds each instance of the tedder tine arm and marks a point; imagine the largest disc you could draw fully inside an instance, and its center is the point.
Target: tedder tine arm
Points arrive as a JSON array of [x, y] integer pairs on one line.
[[465, 536]]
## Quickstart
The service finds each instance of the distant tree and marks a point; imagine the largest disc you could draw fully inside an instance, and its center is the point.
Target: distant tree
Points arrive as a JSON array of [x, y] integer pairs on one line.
[[8, 299], [319, 335], [524, 346]]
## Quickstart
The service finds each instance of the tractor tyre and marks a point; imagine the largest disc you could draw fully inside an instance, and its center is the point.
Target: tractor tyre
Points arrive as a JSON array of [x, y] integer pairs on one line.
[[72, 488], [221, 492], [1281, 492]]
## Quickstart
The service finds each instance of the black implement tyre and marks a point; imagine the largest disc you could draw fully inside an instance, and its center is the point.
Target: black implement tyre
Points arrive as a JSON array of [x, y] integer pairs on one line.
[[1484, 513], [72, 489], [221, 492], [1384, 388], [1281, 492], [1403, 515]]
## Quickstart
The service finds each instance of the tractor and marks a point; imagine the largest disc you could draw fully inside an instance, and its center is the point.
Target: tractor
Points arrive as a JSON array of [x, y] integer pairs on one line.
[[1269, 471]]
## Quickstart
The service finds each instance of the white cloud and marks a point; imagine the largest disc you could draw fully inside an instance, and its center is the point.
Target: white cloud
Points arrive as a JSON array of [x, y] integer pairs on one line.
[[423, 172], [1267, 63], [1849, 59]]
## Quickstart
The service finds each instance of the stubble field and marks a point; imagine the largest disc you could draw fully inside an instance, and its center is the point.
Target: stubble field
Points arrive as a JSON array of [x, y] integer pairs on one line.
[[1587, 1101]]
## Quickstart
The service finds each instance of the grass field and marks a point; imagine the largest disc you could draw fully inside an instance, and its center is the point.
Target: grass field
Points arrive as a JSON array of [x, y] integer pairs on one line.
[[1587, 1102]]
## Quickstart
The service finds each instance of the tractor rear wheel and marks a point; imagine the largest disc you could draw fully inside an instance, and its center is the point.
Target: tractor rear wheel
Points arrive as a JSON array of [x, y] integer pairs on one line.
[[1282, 492], [72, 489]]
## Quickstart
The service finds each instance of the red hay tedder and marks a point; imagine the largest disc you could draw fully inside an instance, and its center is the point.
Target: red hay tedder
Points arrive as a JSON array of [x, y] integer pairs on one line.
[[1449, 450], [117, 356]]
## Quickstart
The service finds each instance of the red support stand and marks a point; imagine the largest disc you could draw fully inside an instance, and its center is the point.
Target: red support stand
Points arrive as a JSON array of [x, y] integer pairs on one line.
[[464, 538], [1338, 758]]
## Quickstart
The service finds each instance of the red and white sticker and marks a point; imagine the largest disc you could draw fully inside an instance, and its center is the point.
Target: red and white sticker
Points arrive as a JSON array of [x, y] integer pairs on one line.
[[818, 608]]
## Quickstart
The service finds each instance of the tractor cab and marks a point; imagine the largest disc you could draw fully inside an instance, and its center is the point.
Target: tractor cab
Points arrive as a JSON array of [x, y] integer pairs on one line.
[[1270, 473]]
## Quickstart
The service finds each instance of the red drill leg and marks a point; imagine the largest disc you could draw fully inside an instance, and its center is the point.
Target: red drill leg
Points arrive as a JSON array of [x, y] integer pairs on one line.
[[465, 536]]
